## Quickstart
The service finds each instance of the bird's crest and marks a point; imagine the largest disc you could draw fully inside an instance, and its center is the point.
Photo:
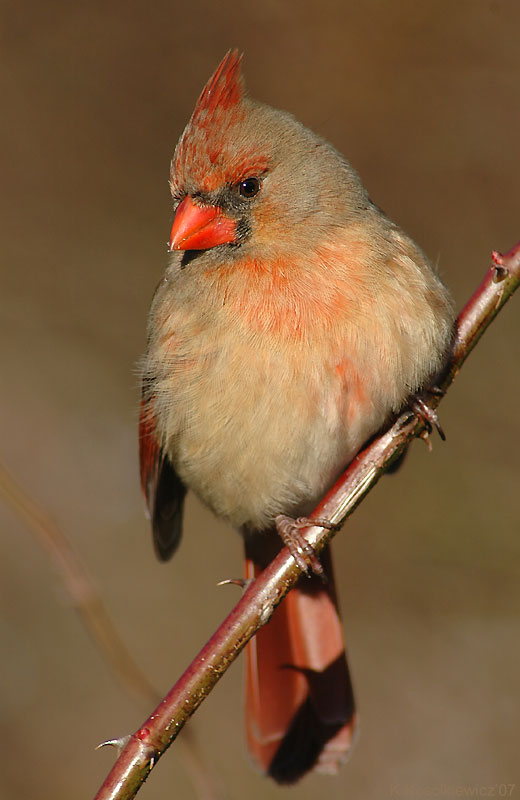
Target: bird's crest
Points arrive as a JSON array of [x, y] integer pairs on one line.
[[224, 89], [201, 146]]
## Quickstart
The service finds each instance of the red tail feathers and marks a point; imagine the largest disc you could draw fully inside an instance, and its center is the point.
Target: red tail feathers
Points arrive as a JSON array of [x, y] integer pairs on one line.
[[300, 711]]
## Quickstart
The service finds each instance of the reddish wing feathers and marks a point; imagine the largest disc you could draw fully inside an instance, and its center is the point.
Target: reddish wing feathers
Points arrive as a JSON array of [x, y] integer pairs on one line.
[[163, 490], [148, 453]]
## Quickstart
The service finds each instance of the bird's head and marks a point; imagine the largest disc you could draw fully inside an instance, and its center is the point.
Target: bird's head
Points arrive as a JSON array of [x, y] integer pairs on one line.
[[244, 174]]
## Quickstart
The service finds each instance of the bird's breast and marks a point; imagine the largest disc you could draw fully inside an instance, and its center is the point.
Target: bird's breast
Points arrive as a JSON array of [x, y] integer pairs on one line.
[[258, 400]]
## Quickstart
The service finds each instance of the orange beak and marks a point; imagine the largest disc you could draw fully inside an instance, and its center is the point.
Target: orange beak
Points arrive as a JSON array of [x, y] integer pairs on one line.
[[200, 227]]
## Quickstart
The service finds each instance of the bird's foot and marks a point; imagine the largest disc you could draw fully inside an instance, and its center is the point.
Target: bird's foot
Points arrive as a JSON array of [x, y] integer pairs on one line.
[[303, 553], [427, 414]]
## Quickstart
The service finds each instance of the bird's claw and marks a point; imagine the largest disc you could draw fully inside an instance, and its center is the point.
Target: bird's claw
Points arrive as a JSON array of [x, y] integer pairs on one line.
[[427, 414], [303, 553]]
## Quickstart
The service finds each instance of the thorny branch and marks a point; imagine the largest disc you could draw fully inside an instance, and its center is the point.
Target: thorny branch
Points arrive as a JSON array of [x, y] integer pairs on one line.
[[141, 751]]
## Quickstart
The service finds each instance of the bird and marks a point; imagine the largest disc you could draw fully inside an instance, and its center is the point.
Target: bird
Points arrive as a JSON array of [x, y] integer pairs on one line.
[[294, 320]]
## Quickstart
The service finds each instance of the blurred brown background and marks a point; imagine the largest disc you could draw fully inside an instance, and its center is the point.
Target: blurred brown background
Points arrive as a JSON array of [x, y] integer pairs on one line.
[[424, 99]]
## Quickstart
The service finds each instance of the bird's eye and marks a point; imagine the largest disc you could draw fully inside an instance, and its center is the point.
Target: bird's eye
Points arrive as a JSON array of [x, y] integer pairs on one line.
[[249, 187]]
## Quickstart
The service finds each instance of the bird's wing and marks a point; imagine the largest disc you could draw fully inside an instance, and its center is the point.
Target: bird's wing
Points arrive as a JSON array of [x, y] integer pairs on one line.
[[163, 490]]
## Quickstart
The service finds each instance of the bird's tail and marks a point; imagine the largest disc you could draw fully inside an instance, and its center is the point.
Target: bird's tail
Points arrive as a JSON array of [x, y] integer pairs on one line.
[[300, 711]]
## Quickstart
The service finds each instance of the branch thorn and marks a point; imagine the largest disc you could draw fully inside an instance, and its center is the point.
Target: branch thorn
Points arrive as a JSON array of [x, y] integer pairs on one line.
[[242, 582], [119, 744]]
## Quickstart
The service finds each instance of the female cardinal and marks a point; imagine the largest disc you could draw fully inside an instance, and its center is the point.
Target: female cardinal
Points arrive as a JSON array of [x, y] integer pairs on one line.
[[293, 320]]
